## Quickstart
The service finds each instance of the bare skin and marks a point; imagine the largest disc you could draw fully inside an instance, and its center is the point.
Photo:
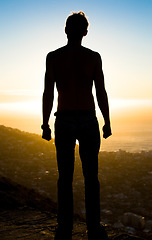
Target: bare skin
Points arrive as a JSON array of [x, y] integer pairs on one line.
[[74, 68]]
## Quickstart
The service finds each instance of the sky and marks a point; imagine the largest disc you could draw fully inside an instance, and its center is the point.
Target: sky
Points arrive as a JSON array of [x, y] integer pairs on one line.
[[120, 30]]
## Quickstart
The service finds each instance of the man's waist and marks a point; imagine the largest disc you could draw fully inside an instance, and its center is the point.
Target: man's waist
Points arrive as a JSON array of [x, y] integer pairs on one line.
[[75, 113]]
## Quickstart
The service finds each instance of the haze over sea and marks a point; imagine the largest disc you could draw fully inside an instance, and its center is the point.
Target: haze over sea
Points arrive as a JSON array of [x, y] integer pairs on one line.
[[131, 119]]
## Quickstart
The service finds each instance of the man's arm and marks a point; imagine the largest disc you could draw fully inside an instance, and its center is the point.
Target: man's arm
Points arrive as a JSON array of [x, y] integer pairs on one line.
[[48, 96], [102, 97]]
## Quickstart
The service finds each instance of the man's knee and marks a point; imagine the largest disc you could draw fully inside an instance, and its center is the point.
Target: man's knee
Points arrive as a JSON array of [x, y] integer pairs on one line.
[[65, 180], [90, 171], [91, 180]]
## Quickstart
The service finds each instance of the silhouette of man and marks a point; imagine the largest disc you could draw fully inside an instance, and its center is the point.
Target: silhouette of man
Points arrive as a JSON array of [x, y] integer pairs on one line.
[[74, 68]]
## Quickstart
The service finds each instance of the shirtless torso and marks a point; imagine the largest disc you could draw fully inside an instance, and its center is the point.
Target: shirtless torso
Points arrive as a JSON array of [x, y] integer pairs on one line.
[[73, 69]]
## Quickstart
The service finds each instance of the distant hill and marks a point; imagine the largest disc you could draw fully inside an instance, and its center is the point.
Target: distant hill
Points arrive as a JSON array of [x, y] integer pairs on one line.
[[10, 136], [27, 159]]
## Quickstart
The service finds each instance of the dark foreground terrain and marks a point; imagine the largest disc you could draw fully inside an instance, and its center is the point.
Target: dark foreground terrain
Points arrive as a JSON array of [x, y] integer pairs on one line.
[[28, 160], [25, 214]]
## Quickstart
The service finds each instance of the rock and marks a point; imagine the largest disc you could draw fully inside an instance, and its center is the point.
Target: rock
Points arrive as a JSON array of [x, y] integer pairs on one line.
[[148, 226], [118, 225], [130, 230], [109, 212], [133, 220]]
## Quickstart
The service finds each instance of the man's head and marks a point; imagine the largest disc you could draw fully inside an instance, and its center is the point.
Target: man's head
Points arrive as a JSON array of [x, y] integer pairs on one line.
[[76, 26]]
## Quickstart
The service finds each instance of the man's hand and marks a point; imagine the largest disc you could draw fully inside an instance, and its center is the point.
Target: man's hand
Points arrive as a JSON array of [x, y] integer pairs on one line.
[[106, 131], [46, 134]]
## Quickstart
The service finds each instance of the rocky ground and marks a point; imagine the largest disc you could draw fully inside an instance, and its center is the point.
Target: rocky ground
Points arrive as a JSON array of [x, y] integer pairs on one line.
[[25, 214]]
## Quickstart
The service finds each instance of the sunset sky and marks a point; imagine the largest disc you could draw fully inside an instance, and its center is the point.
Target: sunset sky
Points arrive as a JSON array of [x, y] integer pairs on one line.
[[120, 30]]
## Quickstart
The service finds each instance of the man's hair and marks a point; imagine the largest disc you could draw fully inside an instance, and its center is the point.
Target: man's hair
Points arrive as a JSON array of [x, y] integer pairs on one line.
[[76, 25]]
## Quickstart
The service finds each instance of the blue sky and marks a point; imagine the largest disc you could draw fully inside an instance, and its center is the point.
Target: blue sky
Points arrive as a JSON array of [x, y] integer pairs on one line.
[[120, 30]]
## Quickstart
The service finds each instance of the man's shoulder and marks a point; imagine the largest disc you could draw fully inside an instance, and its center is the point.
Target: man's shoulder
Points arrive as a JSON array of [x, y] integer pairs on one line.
[[56, 52], [91, 52]]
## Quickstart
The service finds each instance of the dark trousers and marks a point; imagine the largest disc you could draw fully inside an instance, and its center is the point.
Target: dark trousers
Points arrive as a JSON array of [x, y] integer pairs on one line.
[[67, 129]]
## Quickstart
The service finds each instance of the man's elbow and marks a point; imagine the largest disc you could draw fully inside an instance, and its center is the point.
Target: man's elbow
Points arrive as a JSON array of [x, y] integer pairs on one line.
[[101, 93], [48, 96], [44, 95]]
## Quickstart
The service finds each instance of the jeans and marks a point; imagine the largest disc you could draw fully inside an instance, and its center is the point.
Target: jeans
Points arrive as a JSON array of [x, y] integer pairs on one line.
[[85, 129]]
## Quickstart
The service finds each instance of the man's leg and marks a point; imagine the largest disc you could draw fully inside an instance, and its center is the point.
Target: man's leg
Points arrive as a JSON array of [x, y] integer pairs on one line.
[[65, 145], [89, 144]]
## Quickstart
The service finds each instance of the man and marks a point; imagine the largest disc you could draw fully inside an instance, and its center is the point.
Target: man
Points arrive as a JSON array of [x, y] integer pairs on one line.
[[74, 68]]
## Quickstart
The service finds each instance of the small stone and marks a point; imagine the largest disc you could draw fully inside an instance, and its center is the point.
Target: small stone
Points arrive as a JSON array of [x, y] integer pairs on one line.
[[118, 225], [130, 230]]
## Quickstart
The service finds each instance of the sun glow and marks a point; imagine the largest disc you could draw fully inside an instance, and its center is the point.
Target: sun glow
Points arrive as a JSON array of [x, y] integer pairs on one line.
[[33, 107], [117, 104]]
